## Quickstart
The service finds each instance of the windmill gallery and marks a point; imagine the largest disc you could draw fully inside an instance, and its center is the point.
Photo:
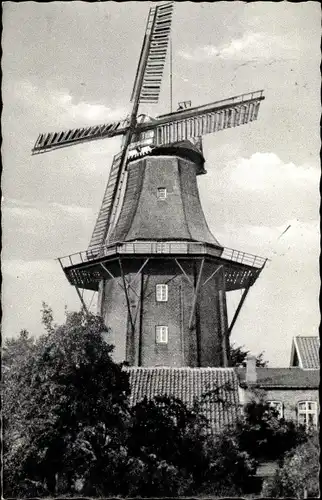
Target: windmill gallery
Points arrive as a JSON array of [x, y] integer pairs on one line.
[[161, 275]]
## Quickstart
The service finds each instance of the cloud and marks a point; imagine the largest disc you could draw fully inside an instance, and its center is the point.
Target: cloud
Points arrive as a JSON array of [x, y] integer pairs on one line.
[[302, 237], [256, 193], [31, 228], [56, 108], [265, 171], [73, 210], [251, 45], [19, 268], [26, 283], [31, 210]]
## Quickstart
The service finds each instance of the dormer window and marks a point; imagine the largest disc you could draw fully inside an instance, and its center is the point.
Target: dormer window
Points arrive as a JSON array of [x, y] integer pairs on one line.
[[161, 193]]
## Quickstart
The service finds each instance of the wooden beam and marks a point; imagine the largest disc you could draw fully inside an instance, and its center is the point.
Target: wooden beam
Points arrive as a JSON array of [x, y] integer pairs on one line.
[[240, 305], [224, 320], [127, 297], [194, 303], [141, 319], [111, 275], [139, 271], [213, 274], [183, 271], [82, 301]]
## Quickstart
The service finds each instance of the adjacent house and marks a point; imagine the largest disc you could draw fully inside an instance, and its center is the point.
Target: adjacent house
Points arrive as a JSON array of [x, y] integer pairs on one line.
[[305, 353], [294, 391]]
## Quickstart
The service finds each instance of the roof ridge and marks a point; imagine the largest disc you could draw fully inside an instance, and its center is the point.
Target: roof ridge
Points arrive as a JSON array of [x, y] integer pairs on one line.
[[187, 368], [307, 337], [279, 368]]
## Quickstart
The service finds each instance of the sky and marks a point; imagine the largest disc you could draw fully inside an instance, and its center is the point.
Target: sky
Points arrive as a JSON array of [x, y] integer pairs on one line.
[[72, 64]]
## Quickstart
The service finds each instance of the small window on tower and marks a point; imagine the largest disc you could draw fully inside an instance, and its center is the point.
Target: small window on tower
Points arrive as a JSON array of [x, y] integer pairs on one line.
[[161, 334], [161, 292], [162, 193]]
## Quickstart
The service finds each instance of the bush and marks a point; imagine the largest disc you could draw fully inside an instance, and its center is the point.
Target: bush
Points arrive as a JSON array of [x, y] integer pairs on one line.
[[264, 435], [298, 476]]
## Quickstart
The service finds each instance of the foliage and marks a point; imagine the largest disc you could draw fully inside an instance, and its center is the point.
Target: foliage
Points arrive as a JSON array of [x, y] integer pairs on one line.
[[175, 453], [69, 428], [238, 357], [298, 476], [167, 439], [65, 406], [264, 435], [231, 469]]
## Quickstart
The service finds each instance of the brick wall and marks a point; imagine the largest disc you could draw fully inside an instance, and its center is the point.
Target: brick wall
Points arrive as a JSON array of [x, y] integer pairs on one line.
[[200, 345]]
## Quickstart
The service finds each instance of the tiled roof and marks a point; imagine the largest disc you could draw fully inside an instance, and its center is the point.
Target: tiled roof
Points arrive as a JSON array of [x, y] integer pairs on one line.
[[307, 349], [284, 377], [188, 384]]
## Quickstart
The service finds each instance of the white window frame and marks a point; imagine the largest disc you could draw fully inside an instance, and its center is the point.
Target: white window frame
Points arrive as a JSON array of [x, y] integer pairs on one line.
[[161, 334], [161, 292], [162, 193], [277, 405], [307, 409]]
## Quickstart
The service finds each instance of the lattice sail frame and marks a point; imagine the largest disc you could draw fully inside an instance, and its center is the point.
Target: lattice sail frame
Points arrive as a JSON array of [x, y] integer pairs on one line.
[[157, 35], [180, 125]]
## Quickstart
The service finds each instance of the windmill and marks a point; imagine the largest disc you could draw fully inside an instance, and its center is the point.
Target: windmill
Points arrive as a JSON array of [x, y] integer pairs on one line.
[[161, 276]]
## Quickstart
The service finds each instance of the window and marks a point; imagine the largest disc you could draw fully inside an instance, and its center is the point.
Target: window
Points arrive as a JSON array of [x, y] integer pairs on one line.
[[161, 334], [161, 247], [161, 292], [162, 193], [307, 413], [278, 406]]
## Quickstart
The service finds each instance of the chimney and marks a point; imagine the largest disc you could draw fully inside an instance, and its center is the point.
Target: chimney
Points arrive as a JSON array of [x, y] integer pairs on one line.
[[251, 375]]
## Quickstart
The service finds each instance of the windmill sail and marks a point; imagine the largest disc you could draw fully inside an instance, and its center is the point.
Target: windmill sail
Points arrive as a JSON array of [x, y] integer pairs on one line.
[[156, 38], [56, 140], [195, 122], [104, 216]]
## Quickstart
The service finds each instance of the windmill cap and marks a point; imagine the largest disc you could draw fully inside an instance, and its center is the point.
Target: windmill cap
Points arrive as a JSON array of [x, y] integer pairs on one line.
[[183, 149]]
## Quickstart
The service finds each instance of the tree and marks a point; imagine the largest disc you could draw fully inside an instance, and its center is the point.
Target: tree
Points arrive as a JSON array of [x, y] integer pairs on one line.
[[174, 452], [238, 356], [298, 476], [265, 436], [232, 470], [15, 355], [71, 409], [167, 437]]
